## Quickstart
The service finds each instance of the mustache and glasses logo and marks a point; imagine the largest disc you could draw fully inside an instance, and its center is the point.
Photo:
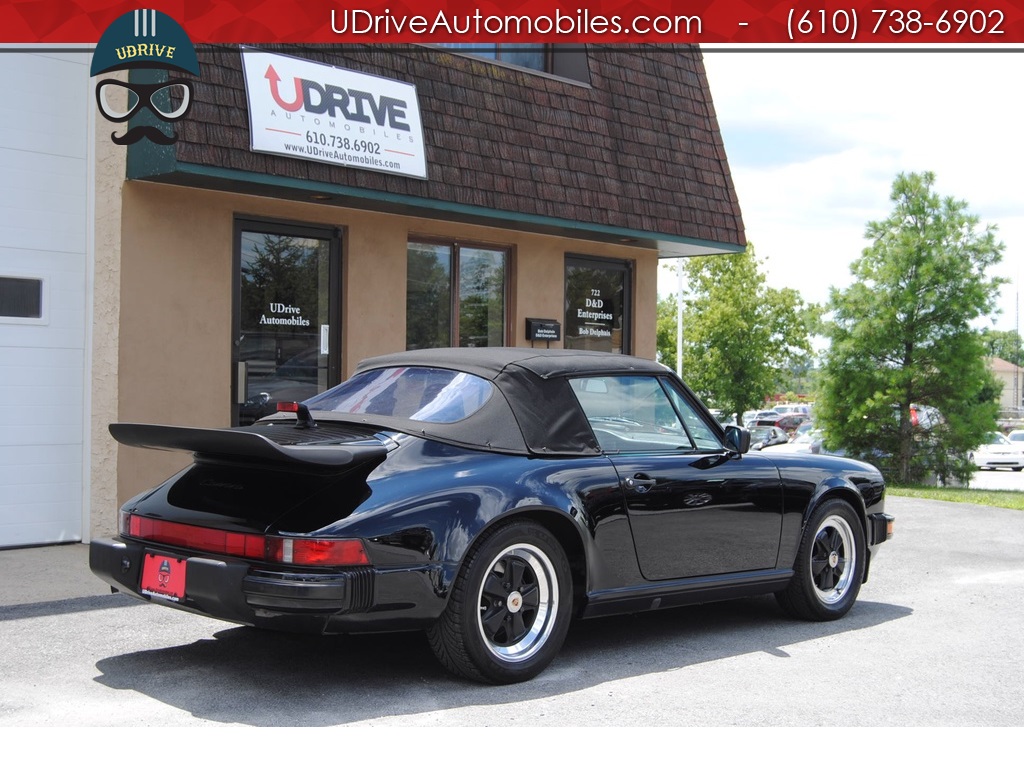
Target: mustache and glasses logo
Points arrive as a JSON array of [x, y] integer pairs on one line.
[[145, 40], [156, 97]]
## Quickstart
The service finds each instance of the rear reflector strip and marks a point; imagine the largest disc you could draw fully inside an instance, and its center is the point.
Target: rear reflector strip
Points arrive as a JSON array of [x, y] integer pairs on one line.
[[252, 546]]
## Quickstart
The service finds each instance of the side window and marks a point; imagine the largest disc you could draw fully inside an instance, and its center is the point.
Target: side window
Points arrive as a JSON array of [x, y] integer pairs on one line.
[[703, 436], [631, 414]]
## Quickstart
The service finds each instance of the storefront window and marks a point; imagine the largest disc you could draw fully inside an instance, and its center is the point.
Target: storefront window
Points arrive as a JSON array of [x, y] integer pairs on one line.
[[455, 296], [597, 304]]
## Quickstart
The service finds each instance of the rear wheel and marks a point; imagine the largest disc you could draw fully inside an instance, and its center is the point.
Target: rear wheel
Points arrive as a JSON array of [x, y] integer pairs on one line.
[[829, 567], [509, 609]]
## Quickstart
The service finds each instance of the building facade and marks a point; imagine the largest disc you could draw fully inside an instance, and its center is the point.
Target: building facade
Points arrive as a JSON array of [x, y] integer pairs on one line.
[[1011, 377], [500, 204]]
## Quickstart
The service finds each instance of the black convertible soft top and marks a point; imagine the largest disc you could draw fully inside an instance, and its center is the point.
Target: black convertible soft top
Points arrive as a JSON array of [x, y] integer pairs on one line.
[[537, 413]]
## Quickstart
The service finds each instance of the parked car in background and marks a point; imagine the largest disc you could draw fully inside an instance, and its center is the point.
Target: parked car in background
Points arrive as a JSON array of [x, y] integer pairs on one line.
[[787, 409], [997, 452], [807, 426], [922, 416], [488, 496], [787, 423], [763, 437], [1016, 436], [806, 442], [750, 416]]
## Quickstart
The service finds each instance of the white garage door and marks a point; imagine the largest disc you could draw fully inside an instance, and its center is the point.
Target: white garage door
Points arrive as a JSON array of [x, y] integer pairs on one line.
[[44, 256]]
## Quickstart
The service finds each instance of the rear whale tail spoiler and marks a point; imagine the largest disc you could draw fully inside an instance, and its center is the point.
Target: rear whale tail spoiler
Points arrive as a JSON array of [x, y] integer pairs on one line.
[[233, 443]]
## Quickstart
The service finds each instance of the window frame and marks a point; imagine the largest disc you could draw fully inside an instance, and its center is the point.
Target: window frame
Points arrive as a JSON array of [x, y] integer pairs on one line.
[[567, 63], [455, 280], [674, 397]]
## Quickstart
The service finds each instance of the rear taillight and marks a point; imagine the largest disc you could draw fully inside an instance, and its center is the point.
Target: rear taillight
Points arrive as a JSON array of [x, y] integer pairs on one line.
[[287, 550], [301, 551]]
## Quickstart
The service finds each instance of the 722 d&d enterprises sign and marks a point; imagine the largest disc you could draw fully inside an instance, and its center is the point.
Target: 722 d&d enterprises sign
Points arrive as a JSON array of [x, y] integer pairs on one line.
[[313, 111]]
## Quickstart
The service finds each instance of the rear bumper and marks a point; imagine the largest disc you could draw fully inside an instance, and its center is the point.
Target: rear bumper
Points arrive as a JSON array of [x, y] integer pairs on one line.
[[244, 593]]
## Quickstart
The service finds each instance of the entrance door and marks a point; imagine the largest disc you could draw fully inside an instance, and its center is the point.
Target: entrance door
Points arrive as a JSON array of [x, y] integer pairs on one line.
[[598, 307], [287, 316]]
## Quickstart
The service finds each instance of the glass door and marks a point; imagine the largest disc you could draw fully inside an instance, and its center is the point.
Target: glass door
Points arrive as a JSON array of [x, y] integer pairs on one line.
[[287, 316], [598, 304]]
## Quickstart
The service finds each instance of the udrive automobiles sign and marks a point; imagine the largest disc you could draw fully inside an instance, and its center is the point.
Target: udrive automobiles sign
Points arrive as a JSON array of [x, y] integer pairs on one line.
[[314, 111]]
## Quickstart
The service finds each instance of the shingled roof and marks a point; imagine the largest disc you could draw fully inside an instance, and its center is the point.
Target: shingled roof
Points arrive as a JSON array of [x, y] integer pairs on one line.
[[637, 150]]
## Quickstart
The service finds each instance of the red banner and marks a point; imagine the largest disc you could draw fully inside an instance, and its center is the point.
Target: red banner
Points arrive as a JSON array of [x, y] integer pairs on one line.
[[754, 22]]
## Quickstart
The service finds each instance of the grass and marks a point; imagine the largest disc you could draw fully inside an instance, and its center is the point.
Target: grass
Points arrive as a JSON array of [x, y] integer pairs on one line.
[[1005, 499]]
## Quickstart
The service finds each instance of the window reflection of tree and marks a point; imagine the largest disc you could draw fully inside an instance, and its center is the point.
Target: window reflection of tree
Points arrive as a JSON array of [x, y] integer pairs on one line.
[[481, 296], [428, 297], [280, 269]]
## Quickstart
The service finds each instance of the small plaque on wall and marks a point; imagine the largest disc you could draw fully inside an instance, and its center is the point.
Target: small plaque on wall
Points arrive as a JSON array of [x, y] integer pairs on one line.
[[538, 329]]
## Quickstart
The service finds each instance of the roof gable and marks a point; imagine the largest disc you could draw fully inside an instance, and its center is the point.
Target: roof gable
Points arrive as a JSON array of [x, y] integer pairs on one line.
[[638, 151]]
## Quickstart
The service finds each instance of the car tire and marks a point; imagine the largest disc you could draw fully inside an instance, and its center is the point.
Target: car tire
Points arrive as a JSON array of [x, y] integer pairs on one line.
[[509, 607], [829, 566]]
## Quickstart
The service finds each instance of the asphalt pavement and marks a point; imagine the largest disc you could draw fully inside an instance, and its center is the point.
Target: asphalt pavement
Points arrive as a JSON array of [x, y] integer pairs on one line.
[[47, 574], [932, 641]]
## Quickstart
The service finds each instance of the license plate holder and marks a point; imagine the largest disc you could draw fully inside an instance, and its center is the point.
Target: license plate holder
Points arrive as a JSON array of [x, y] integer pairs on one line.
[[163, 576]]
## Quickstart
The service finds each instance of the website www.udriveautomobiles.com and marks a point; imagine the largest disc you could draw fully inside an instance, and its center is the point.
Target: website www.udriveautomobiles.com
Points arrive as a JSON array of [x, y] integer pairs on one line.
[[583, 22]]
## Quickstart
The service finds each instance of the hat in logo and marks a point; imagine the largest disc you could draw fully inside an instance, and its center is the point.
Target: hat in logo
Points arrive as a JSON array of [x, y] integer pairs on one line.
[[144, 38]]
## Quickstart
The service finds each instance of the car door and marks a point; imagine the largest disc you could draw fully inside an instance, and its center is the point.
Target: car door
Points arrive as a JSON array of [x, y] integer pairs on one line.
[[695, 508]]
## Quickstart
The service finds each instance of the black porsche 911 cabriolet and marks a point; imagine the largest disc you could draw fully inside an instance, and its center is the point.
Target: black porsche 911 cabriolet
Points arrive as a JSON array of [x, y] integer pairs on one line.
[[489, 496]]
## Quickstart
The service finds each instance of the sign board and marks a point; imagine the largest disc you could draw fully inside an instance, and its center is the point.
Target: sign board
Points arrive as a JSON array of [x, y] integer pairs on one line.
[[313, 111], [543, 330]]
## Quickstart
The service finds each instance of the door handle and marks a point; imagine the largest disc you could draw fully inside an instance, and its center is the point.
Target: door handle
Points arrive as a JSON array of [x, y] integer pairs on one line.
[[640, 482], [242, 382]]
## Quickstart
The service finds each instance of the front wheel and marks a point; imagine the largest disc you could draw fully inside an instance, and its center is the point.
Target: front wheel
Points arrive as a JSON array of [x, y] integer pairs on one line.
[[829, 566], [509, 609]]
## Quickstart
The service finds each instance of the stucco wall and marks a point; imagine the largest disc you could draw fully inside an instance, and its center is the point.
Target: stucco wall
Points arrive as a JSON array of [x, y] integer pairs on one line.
[[174, 361], [108, 179]]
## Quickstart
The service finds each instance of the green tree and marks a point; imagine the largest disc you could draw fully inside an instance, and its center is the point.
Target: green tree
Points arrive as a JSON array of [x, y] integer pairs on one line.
[[901, 335], [739, 335], [666, 330]]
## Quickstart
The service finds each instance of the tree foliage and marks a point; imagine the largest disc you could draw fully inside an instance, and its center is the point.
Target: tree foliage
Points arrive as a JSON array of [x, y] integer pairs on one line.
[[1004, 344], [901, 335], [739, 334], [668, 308]]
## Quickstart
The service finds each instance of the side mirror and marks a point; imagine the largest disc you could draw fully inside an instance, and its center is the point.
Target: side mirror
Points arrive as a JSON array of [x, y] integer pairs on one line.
[[738, 438]]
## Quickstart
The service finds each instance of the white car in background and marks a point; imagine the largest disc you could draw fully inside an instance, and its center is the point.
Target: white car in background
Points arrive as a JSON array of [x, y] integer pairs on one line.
[[997, 452], [803, 442]]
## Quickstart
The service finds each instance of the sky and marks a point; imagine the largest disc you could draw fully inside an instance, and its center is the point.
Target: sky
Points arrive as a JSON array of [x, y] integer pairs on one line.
[[815, 140]]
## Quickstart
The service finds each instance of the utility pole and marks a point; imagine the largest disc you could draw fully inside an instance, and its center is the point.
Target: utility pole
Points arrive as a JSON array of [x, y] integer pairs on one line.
[[679, 318], [1017, 404]]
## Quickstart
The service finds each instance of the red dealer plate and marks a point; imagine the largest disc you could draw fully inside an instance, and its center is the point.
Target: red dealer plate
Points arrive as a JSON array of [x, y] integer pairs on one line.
[[163, 576]]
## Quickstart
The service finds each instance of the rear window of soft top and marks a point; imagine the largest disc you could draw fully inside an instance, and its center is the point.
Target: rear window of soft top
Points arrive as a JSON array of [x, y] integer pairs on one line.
[[432, 395]]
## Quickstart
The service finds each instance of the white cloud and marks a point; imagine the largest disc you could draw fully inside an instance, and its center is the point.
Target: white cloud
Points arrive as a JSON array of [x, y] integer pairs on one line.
[[815, 140]]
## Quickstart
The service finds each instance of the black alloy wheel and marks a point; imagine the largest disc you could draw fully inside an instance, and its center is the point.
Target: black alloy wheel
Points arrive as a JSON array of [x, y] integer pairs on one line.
[[509, 609], [829, 567]]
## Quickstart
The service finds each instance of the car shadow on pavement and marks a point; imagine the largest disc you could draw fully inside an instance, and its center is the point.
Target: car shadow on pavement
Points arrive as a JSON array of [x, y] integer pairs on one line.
[[254, 677], [66, 606]]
